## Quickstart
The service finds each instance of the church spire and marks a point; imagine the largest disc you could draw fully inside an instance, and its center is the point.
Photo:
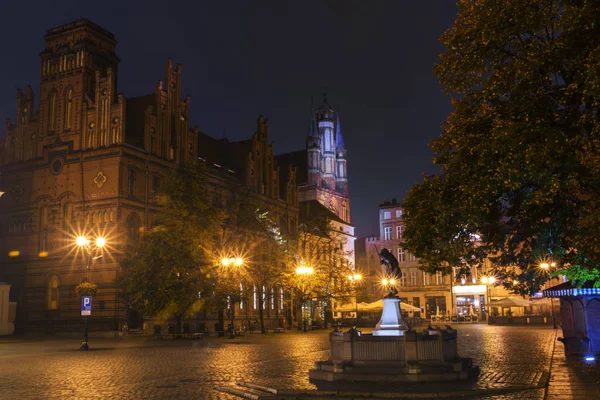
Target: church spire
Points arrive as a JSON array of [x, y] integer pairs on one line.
[[339, 139]]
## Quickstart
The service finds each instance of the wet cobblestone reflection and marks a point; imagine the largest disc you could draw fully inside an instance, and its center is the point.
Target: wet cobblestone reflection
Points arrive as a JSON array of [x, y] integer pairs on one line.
[[145, 369]]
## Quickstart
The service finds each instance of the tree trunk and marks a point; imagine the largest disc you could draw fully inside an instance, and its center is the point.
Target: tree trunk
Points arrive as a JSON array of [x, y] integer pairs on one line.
[[220, 320]]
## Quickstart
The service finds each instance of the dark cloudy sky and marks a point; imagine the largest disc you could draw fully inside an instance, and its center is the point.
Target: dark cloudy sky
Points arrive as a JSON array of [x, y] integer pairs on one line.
[[243, 58]]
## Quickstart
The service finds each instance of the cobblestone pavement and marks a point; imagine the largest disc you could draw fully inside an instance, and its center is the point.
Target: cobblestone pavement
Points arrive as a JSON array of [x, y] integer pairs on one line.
[[146, 369]]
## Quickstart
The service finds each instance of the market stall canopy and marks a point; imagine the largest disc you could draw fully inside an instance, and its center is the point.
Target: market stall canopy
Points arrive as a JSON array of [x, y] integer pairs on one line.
[[546, 301], [510, 302]]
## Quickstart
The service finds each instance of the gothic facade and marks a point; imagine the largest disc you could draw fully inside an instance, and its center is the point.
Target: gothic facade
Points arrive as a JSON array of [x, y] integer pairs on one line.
[[85, 160]]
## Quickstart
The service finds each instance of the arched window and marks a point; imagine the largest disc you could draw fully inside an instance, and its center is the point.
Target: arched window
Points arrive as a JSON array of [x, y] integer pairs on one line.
[[68, 109], [52, 112], [53, 292]]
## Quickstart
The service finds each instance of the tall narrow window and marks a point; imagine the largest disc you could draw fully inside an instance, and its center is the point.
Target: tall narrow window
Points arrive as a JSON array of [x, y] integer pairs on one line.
[[241, 296], [399, 232], [401, 255], [413, 278], [68, 109], [403, 279], [281, 298], [43, 229], [439, 278], [272, 299], [52, 112], [387, 233], [53, 292], [131, 183], [255, 302], [426, 279]]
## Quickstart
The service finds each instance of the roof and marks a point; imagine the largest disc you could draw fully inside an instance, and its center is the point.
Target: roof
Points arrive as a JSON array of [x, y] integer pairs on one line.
[[566, 290], [231, 155], [82, 22], [312, 208], [297, 158]]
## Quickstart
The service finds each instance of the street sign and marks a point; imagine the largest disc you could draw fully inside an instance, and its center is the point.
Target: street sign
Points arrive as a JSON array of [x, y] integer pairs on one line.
[[86, 305]]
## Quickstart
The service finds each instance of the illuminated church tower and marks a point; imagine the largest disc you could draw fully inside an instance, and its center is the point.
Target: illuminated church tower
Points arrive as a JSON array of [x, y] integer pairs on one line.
[[327, 179]]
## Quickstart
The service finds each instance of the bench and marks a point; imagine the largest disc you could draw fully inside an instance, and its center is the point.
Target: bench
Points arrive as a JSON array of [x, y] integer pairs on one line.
[[278, 330]]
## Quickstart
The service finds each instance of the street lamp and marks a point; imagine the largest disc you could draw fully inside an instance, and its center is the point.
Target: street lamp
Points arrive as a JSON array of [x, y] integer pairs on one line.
[[84, 244], [487, 281], [355, 279], [232, 262], [546, 267], [304, 273]]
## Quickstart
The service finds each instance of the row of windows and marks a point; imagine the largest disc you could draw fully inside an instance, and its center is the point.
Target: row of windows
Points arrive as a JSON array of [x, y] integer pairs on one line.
[[388, 214], [387, 232], [411, 279], [131, 180], [276, 298]]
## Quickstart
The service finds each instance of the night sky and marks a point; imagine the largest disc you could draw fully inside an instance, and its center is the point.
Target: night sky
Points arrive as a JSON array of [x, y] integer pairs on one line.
[[240, 59]]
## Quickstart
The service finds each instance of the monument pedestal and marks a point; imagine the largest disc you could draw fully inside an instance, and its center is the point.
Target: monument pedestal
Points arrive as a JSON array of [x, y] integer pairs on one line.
[[391, 322], [393, 353]]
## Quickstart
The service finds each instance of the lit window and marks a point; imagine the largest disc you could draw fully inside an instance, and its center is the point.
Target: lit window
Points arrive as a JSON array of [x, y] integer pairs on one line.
[[402, 278], [255, 302], [398, 213], [426, 279], [399, 232], [387, 233], [387, 214], [281, 298], [439, 279], [413, 278], [401, 255], [241, 297]]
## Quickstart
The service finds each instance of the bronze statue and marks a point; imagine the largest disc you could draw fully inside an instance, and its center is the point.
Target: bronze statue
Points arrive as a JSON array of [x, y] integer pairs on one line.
[[391, 263]]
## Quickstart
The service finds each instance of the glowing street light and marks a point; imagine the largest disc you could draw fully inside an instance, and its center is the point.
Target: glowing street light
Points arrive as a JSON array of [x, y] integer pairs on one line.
[[544, 265], [84, 243], [228, 262], [305, 270]]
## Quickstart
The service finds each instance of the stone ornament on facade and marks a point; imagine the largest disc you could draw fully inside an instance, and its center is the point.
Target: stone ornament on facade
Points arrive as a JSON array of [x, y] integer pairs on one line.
[[100, 179]]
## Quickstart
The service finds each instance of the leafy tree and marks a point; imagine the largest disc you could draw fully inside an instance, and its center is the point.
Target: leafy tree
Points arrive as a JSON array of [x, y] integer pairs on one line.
[[318, 245], [168, 267], [519, 154]]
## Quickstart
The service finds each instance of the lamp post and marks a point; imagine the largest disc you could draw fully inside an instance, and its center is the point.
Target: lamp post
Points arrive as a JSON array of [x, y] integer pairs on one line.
[[487, 281], [229, 263], [86, 246], [355, 279], [304, 273], [546, 266]]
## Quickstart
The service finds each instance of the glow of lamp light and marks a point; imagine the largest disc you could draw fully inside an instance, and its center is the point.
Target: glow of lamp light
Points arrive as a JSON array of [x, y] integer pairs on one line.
[[553, 265], [392, 281], [304, 270], [100, 242], [225, 261], [590, 358], [239, 261], [81, 241], [484, 279], [384, 281], [544, 265], [491, 279]]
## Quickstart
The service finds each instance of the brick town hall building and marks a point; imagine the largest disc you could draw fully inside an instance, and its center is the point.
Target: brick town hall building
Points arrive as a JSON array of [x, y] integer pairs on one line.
[[84, 159]]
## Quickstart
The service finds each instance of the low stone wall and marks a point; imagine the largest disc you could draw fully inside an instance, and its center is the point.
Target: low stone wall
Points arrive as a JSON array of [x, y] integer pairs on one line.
[[412, 357], [352, 347]]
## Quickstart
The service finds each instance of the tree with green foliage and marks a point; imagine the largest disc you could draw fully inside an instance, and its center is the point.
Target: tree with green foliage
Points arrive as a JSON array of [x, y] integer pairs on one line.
[[519, 154], [166, 269]]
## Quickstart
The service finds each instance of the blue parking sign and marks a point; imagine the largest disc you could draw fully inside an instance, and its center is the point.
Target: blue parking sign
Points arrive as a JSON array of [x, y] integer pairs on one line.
[[86, 305]]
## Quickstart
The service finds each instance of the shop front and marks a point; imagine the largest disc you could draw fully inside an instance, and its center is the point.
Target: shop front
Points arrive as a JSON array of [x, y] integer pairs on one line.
[[469, 300]]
